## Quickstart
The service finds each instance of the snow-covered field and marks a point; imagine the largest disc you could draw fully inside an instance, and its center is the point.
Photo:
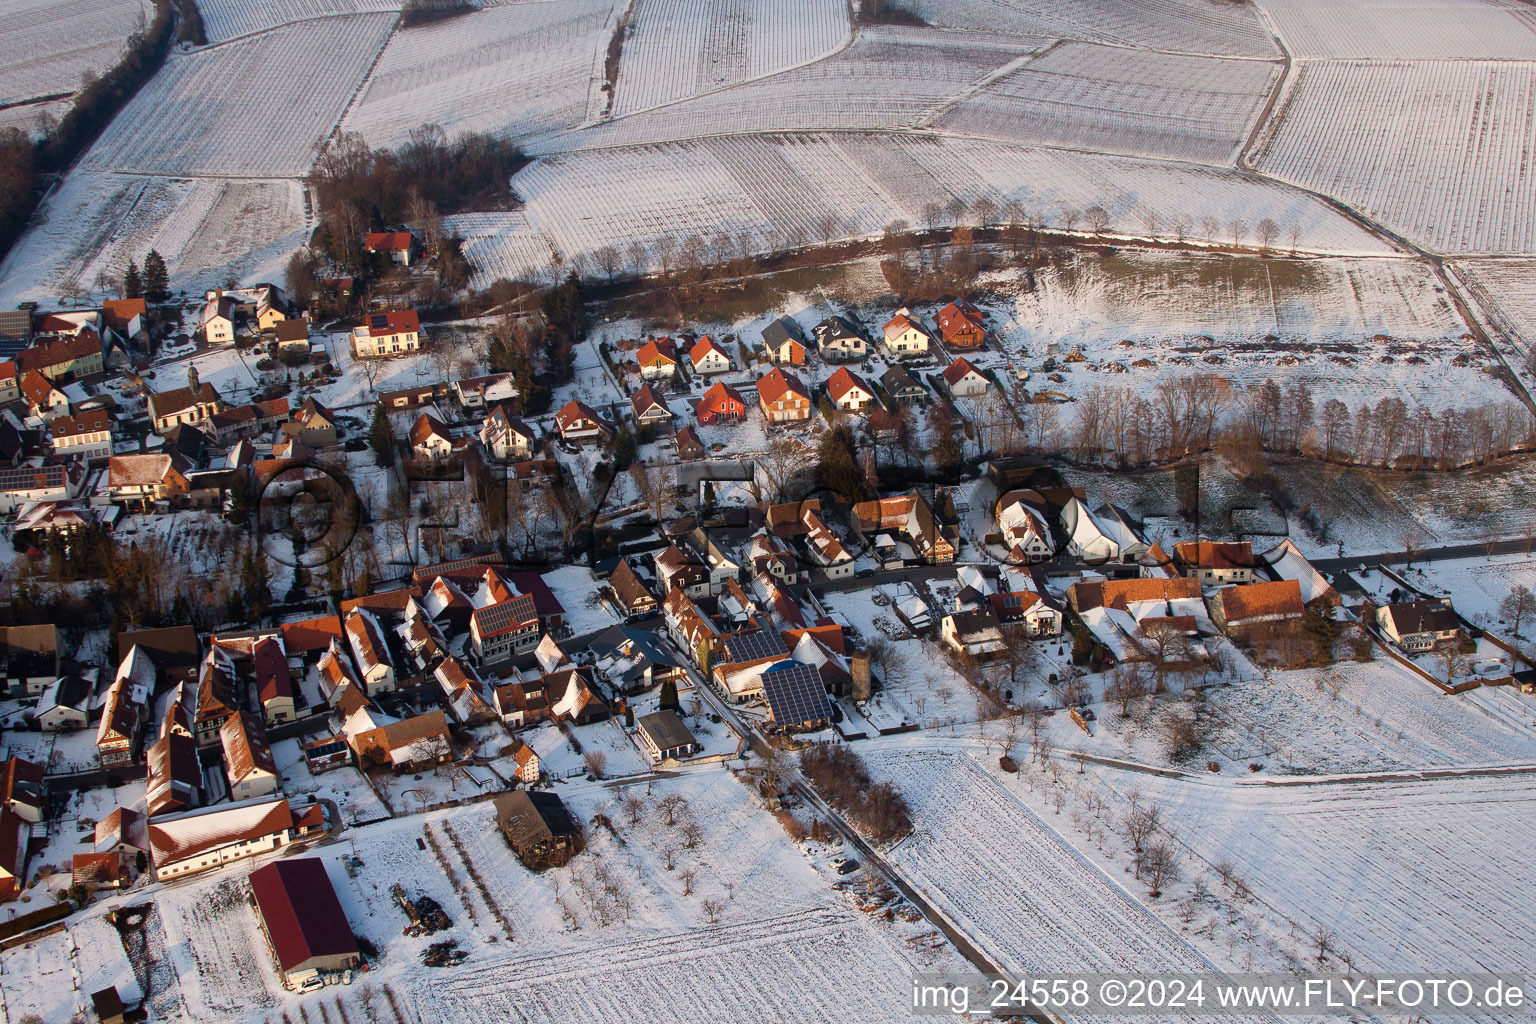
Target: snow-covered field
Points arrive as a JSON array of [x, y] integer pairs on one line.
[[679, 48], [225, 19], [890, 77], [776, 188], [518, 70], [46, 46], [1437, 150], [612, 935], [207, 229], [501, 245], [1182, 26], [1392, 867], [255, 107], [1470, 29], [1112, 100], [1013, 882]]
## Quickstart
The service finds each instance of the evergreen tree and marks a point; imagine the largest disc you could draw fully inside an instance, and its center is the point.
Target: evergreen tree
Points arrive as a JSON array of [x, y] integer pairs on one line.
[[156, 281], [946, 448], [381, 439], [838, 468], [623, 449], [240, 499], [256, 582], [669, 699], [133, 285]]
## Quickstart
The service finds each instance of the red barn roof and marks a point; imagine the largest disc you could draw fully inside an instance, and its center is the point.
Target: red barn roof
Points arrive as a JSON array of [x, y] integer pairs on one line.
[[304, 918]]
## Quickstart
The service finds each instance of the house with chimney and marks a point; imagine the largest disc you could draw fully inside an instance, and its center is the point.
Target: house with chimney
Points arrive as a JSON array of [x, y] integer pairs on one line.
[[838, 339], [784, 342], [909, 519], [194, 404], [579, 423], [86, 436], [650, 408], [505, 436], [962, 325]]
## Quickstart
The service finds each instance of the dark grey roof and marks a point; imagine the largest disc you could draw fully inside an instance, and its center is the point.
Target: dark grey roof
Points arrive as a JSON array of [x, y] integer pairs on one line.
[[527, 818], [646, 643], [796, 694], [666, 730], [836, 327], [781, 330], [897, 378], [1422, 617]]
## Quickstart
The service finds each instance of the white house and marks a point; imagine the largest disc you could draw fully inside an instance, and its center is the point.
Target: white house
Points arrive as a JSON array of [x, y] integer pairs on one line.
[[429, 438], [370, 651], [87, 436], [387, 334], [1025, 533], [505, 436], [838, 339], [850, 392], [906, 336], [707, 356], [219, 319], [964, 380]]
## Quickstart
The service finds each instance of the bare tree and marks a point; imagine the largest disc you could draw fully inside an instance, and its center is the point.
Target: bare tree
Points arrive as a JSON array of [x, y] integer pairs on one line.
[[692, 834], [634, 808], [1519, 603], [688, 877], [372, 368], [1295, 237], [1237, 228], [596, 763], [1180, 225], [1159, 865], [1125, 686], [931, 213], [672, 807], [608, 261], [1163, 644], [1139, 824], [986, 211], [1097, 218], [712, 908], [1069, 216], [1210, 225], [1150, 218], [1267, 230], [1453, 660]]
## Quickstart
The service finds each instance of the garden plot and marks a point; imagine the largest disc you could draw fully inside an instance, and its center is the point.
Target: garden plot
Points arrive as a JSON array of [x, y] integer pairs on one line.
[[46, 46], [679, 48], [255, 107], [1183, 26], [843, 969], [514, 71], [1430, 29], [1437, 150], [1390, 867], [1113, 100], [1018, 888], [889, 78], [216, 943], [40, 977], [100, 960], [225, 19]]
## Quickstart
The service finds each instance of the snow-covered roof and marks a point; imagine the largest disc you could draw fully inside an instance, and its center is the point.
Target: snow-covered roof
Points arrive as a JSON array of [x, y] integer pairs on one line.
[[177, 837], [1287, 562]]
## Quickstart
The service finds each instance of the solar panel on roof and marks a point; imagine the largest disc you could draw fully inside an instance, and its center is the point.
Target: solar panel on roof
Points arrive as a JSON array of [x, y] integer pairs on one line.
[[378, 320], [327, 749], [795, 694], [753, 646]]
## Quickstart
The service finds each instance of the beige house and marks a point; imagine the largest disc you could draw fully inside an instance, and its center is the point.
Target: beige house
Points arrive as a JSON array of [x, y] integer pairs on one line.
[[905, 334], [387, 334]]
